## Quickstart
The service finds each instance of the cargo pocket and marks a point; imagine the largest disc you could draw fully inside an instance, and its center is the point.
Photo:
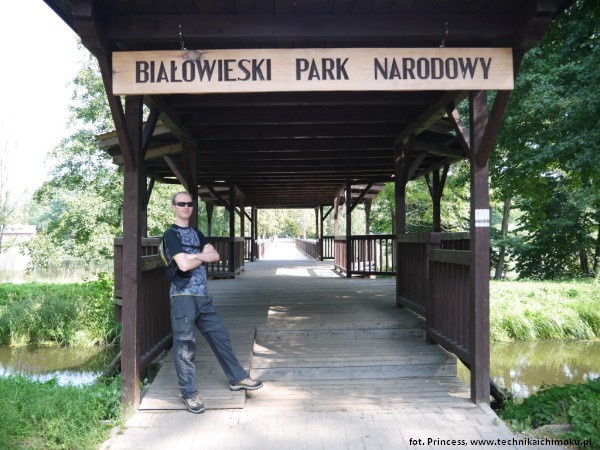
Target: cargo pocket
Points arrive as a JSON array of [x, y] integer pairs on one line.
[[183, 328]]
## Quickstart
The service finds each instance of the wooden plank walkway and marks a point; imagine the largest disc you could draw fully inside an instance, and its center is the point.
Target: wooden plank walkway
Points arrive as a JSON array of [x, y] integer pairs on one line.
[[320, 342]]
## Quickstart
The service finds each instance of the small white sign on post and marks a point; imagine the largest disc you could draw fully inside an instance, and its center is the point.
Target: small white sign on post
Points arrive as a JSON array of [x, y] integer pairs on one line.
[[482, 218], [283, 70]]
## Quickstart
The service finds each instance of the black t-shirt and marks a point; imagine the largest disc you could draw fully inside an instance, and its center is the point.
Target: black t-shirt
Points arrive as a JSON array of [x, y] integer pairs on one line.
[[187, 240]]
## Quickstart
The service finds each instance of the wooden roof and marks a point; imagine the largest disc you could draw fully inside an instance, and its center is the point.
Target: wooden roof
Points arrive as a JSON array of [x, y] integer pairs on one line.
[[298, 149]]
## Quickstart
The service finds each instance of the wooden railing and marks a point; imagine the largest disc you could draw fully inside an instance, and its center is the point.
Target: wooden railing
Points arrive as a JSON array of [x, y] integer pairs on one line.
[[328, 245], [153, 311], [449, 307], [263, 246], [247, 248], [433, 280], [308, 247], [412, 276], [369, 255], [231, 251]]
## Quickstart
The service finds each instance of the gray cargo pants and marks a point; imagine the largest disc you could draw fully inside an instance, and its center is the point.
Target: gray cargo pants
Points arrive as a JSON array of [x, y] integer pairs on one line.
[[188, 312]]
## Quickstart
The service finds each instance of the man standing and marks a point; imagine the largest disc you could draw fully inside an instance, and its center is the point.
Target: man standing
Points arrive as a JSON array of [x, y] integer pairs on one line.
[[191, 307]]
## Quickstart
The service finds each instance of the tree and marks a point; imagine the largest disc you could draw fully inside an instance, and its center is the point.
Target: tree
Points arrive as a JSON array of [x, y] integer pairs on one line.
[[419, 205], [8, 205], [78, 210], [548, 148]]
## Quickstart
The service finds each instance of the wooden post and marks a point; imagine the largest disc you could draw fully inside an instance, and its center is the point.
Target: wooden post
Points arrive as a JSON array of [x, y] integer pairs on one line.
[[134, 202], [243, 227], [480, 258], [253, 233], [232, 230], [436, 190], [437, 202], [336, 223], [368, 204], [256, 236], [399, 223], [242, 218], [348, 230], [401, 177], [209, 215], [322, 232], [191, 176]]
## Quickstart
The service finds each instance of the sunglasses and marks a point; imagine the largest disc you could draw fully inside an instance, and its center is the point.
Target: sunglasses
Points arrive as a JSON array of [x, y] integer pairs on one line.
[[182, 204]]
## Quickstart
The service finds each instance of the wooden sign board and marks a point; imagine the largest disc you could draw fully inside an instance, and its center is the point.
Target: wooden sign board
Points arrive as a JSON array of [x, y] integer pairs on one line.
[[281, 70]]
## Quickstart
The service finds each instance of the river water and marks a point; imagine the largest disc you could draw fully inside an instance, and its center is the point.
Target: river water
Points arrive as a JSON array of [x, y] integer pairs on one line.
[[522, 367], [76, 366]]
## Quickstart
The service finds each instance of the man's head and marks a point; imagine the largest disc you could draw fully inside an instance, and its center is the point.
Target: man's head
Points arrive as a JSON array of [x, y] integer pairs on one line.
[[182, 205]]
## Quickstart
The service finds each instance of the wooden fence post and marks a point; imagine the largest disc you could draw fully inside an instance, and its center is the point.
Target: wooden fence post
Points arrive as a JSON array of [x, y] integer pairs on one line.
[[480, 256]]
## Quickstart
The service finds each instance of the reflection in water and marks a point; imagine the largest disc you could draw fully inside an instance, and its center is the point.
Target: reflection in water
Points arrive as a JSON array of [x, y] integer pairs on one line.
[[76, 366], [523, 367]]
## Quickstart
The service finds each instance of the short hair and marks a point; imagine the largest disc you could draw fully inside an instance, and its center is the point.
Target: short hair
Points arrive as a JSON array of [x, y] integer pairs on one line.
[[174, 198]]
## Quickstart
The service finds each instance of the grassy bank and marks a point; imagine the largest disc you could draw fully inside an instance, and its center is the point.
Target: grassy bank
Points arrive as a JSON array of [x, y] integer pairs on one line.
[[535, 310], [76, 314], [574, 405], [36, 415]]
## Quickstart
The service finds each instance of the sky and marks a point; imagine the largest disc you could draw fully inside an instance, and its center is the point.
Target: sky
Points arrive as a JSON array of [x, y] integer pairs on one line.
[[39, 60]]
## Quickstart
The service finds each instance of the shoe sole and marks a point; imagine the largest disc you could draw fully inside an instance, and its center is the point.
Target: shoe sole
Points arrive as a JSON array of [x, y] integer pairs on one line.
[[245, 388], [191, 410]]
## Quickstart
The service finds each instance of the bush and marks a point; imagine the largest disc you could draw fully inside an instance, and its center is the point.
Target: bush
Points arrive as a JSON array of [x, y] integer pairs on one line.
[[574, 404], [78, 314], [45, 415]]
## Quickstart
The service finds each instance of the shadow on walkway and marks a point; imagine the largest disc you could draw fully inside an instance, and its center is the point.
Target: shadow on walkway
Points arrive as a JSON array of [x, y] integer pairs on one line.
[[343, 366]]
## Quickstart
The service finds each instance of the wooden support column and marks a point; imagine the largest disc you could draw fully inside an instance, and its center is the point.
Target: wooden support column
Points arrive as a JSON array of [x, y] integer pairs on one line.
[[321, 234], [134, 202], [232, 230], [147, 134], [191, 176], [368, 204], [480, 257], [209, 215], [242, 218], [403, 172], [348, 230], [436, 190], [399, 222], [336, 216], [253, 233]]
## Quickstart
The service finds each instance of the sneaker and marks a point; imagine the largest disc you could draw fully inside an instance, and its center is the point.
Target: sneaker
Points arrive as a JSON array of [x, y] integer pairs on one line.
[[194, 404], [247, 384]]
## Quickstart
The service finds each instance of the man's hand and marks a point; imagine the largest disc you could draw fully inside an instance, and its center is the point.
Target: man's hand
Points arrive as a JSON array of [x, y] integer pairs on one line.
[[189, 261]]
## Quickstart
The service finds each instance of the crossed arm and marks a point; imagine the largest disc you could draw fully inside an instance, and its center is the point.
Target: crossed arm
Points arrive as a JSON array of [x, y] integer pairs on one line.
[[189, 261]]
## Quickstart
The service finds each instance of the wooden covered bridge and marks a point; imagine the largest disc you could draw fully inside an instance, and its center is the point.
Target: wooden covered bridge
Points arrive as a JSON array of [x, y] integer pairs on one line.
[[310, 104]]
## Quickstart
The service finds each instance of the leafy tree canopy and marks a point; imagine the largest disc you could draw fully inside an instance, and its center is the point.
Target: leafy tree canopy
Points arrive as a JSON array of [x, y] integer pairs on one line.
[[547, 156]]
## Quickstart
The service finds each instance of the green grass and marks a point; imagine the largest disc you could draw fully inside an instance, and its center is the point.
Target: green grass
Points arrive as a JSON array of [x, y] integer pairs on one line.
[[534, 310], [76, 314], [575, 404], [36, 415]]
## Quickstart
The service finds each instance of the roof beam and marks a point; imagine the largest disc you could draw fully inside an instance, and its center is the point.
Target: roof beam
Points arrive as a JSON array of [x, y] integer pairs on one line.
[[353, 27], [429, 116], [154, 153]]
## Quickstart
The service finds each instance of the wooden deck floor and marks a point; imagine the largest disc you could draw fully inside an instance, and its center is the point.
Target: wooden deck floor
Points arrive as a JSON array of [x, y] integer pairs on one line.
[[320, 342]]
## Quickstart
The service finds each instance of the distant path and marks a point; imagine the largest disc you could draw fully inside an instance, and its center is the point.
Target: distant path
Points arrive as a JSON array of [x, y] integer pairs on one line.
[[284, 250]]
